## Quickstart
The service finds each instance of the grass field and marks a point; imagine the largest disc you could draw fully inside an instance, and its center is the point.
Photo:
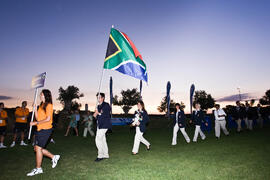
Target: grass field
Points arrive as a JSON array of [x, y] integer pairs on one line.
[[238, 156]]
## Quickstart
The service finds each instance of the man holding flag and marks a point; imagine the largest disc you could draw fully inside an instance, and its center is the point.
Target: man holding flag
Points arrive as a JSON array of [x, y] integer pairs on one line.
[[124, 57], [103, 115]]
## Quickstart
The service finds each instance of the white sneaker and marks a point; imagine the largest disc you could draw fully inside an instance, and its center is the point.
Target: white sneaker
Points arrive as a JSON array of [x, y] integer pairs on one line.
[[204, 138], [23, 144], [35, 172], [55, 160], [52, 141], [13, 144], [2, 146]]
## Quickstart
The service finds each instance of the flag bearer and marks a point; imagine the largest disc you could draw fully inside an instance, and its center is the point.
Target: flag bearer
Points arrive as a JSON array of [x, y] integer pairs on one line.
[[103, 115], [44, 117]]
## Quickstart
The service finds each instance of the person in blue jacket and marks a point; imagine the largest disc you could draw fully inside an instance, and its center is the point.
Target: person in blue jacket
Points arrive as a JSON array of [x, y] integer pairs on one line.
[[103, 116], [140, 128], [179, 123], [198, 118]]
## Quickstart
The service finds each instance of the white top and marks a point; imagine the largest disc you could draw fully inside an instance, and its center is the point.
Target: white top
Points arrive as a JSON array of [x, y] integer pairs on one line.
[[219, 112]]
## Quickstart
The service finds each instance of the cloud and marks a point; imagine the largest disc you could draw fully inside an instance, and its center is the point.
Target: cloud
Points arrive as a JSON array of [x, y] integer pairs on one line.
[[235, 97], [5, 97]]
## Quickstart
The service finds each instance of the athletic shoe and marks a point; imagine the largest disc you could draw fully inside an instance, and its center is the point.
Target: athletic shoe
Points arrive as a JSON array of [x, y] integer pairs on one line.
[[99, 159], [13, 144], [23, 144], [55, 160], [2, 146], [52, 141], [35, 171]]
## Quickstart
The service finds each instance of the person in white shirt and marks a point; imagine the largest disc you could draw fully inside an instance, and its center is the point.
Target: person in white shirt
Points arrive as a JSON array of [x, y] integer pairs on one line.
[[220, 121]]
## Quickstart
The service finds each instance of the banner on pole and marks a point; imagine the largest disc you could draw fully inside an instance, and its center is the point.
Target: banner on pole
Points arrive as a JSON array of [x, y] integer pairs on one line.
[[38, 81]]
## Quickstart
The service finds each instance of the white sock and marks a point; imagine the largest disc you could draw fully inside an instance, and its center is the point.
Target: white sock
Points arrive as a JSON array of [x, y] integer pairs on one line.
[[1, 144], [39, 168]]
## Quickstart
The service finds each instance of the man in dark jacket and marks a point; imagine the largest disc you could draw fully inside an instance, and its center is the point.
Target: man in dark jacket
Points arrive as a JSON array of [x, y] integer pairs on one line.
[[103, 116], [238, 115], [179, 123], [198, 119]]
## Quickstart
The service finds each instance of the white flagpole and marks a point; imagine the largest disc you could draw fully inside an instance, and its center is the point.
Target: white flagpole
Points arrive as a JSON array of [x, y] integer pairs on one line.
[[99, 87], [33, 112]]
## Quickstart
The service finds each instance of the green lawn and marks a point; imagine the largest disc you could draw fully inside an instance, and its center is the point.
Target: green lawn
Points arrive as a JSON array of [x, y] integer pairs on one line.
[[239, 156]]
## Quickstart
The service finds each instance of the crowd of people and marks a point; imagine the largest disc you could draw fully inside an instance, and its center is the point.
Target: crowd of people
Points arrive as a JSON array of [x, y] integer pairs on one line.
[[44, 125], [247, 113]]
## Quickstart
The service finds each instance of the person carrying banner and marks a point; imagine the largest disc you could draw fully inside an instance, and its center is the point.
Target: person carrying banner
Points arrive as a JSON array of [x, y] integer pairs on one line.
[[103, 116], [220, 121], [21, 115], [179, 123], [3, 125], [140, 128], [44, 117], [198, 118]]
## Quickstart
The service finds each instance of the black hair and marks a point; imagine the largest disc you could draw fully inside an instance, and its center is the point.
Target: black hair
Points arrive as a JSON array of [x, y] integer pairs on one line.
[[1, 104], [217, 105], [101, 94], [142, 103], [237, 102], [48, 98]]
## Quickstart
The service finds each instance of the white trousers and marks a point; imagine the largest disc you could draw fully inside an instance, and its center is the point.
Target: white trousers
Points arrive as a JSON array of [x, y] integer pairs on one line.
[[197, 132], [222, 125], [183, 131], [238, 121], [88, 129], [101, 143], [260, 121], [249, 123], [139, 139]]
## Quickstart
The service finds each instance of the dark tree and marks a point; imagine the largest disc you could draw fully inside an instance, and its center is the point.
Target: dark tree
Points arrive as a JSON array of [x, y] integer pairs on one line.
[[265, 100], [130, 97], [163, 105], [67, 97], [204, 99]]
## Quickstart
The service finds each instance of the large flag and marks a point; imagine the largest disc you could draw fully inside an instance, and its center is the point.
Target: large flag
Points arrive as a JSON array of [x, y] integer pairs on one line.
[[124, 57]]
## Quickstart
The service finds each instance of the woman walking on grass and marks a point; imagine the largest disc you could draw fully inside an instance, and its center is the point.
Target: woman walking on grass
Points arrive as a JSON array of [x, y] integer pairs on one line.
[[142, 116], [44, 119]]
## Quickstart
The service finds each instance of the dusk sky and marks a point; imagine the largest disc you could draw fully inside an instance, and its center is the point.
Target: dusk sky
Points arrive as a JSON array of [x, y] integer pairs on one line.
[[217, 45]]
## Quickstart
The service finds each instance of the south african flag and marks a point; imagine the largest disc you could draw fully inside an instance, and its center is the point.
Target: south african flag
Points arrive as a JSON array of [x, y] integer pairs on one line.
[[124, 57]]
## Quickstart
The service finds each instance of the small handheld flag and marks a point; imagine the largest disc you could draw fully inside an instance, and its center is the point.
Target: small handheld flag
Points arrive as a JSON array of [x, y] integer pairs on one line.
[[37, 82], [124, 57]]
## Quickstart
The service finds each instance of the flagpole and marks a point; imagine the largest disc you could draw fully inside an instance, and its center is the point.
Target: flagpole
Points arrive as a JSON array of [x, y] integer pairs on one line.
[[99, 87], [33, 113]]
